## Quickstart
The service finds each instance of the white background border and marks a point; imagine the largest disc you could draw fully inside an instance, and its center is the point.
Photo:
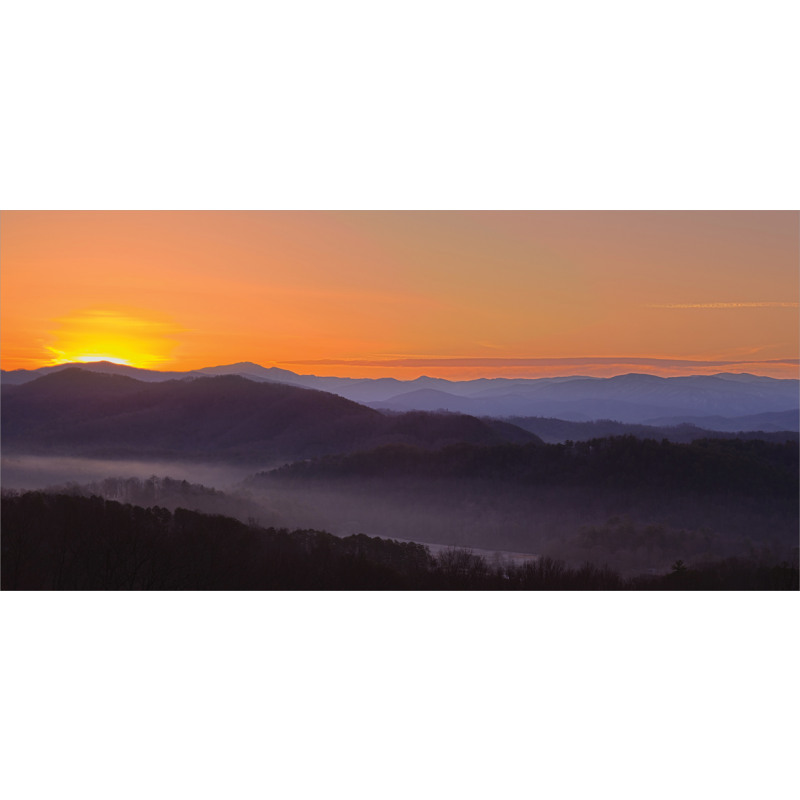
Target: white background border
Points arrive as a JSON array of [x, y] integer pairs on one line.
[[414, 105]]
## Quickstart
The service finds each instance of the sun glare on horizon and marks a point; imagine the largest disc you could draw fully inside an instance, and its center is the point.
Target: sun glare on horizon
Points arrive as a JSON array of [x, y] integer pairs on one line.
[[95, 357], [126, 337]]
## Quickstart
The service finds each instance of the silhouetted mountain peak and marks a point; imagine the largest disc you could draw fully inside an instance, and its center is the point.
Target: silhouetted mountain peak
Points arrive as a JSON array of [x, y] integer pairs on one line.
[[229, 417], [79, 376], [636, 377], [239, 367]]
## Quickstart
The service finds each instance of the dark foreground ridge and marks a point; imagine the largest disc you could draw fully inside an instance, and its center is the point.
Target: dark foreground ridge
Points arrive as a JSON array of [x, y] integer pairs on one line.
[[63, 542]]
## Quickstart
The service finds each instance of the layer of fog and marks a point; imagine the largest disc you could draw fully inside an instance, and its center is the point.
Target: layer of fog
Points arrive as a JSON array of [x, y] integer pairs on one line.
[[632, 532], [42, 472], [149, 483]]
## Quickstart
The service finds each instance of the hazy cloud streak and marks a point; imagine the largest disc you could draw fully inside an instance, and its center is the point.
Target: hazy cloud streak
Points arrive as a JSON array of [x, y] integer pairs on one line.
[[445, 361], [724, 305]]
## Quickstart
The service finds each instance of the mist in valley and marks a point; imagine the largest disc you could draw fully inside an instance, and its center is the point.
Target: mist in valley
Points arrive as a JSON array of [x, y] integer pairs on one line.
[[641, 532], [632, 529], [637, 506], [231, 491], [489, 525], [42, 472]]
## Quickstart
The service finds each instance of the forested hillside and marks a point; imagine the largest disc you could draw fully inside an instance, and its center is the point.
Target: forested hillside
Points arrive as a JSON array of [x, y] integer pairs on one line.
[[227, 418], [728, 466], [62, 542], [557, 431], [636, 504]]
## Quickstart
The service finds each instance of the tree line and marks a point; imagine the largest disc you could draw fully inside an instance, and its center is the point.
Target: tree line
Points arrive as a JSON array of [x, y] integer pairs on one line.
[[734, 466]]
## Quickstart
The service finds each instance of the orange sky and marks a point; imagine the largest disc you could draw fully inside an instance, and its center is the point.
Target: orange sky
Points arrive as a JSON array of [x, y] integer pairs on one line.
[[450, 294]]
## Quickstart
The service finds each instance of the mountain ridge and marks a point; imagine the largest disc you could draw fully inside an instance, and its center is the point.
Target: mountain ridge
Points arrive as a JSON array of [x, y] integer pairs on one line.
[[633, 398], [224, 417]]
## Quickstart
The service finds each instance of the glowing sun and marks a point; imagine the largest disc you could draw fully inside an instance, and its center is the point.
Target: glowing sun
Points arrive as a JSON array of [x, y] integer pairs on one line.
[[88, 358], [129, 337]]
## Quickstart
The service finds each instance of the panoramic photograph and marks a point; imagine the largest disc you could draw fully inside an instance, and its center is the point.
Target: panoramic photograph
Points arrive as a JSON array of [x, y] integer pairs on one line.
[[400, 400]]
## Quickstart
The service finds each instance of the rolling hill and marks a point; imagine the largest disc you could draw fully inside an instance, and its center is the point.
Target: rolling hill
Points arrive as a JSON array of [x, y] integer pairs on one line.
[[83, 413]]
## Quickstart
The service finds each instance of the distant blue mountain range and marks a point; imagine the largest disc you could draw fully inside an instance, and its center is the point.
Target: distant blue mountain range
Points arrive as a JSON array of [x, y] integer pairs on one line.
[[726, 401]]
